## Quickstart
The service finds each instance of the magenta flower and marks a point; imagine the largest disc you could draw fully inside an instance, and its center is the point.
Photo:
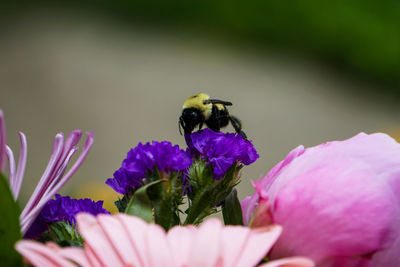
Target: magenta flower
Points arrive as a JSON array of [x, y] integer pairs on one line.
[[338, 203], [123, 240], [54, 176]]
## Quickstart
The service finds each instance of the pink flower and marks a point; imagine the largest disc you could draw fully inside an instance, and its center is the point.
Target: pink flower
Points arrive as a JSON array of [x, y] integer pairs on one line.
[[54, 176], [338, 203], [123, 240]]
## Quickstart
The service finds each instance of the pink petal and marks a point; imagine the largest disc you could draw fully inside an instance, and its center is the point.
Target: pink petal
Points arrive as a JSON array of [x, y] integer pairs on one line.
[[76, 255], [289, 262], [19, 176], [339, 202], [158, 252], [92, 257], [258, 244], [76, 165], [41, 186], [207, 241], [248, 205], [97, 240], [11, 174], [180, 240], [263, 214], [118, 238], [330, 203], [233, 240], [51, 184], [136, 230], [41, 255]]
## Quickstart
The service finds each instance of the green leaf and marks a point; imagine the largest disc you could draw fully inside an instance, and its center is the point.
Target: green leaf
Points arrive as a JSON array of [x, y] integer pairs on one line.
[[10, 231], [231, 209], [140, 204]]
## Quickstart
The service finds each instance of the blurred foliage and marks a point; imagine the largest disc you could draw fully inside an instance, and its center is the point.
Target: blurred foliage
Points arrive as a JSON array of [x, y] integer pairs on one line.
[[362, 37]]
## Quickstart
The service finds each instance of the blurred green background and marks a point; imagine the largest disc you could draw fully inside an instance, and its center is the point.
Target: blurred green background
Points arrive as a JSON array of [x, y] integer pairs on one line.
[[298, 72], [359, 37]]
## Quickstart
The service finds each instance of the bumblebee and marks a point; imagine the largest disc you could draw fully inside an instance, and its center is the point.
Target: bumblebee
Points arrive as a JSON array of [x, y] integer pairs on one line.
[[200, 108]]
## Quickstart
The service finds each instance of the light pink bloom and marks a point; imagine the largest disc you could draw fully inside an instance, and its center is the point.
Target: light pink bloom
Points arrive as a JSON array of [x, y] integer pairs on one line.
[[54, 176], [123, 240], [338, 203]]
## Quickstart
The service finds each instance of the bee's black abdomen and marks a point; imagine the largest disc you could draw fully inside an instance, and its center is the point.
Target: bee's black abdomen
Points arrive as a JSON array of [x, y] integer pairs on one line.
[[219, 118]]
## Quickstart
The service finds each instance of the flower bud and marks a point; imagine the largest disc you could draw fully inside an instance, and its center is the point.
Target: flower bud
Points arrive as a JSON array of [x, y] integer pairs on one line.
[[338, 203]]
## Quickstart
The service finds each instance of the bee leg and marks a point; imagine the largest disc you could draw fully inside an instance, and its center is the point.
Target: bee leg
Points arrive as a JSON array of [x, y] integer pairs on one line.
[[180, 124], [237, 125]]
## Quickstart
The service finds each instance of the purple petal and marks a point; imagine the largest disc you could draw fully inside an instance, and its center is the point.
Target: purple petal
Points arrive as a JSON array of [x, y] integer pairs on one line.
[[19, 176], [63, 208], [3, 142], [143, 159], [53, 179], [221, 149], [11, 175]]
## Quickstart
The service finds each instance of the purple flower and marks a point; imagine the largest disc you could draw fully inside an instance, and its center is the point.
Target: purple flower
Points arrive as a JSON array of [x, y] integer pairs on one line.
[[63, 209], [143, 159], [221, 149]]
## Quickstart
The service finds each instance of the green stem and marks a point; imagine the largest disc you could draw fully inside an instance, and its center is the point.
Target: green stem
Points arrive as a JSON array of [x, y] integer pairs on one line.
[[166, 209], [200, 206]]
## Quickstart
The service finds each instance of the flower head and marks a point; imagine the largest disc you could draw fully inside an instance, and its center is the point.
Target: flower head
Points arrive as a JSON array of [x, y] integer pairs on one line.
[[123, 240], [143, 159], [63, 209], [338, 203], [221, 150], [55, 175]]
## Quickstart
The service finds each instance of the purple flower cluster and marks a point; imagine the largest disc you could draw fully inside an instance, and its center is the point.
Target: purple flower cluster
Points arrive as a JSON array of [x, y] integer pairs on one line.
[[63, 209], [221, 149], [143, 159]]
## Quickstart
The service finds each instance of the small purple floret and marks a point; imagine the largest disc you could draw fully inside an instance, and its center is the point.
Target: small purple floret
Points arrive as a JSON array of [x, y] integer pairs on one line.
[[63, 209], [142, 159], [221, 149]]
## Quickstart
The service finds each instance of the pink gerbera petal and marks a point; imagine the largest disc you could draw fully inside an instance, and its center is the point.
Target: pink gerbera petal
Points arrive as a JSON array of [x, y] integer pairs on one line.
[[259, 242], [148, 245], [41, 255], [180, 240], [156, 241], [117, 236], [207, 242], [97, 240]]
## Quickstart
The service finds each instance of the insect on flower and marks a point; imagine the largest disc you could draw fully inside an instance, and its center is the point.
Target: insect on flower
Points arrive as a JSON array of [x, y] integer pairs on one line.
[[200, 108]]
